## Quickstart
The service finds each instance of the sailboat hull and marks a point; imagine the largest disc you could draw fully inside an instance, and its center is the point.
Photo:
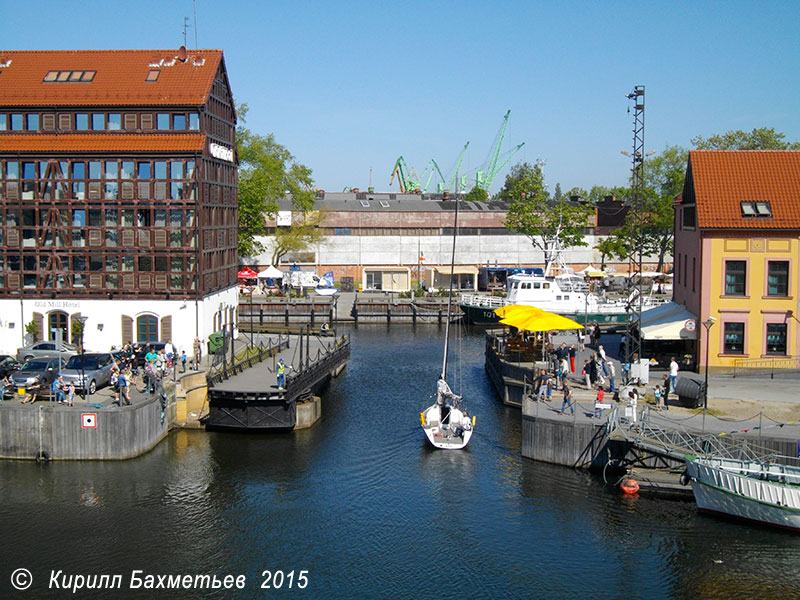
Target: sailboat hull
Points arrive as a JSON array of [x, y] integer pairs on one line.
[[446, 437]]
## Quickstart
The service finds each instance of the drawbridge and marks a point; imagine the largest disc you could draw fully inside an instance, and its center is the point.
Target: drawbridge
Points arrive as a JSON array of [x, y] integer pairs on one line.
[[657, 435]]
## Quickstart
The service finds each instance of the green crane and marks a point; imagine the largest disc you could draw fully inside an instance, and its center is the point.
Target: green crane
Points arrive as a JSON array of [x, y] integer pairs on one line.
[[431, 168], [407, 184], [484, 179], [450, 186]]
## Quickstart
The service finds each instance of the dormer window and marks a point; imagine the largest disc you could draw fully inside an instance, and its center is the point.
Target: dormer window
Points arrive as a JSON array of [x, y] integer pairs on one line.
[[365, 203], [756, 209]]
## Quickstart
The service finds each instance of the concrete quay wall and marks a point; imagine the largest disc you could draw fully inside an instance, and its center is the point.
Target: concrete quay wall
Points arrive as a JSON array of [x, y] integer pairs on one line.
[[54, 432]]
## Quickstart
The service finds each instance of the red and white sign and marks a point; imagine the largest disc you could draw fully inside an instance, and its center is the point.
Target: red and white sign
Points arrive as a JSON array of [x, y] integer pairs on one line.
[[89, 420], [690, 325]]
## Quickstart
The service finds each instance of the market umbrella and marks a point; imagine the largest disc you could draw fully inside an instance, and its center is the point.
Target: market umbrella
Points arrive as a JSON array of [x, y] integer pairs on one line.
[[546, 321], [247, 273], [270, 273], [517, 309]]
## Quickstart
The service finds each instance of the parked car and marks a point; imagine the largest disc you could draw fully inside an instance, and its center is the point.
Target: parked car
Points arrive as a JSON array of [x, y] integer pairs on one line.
[[44, 349], [41, 370], [8, 364], [92, 368]]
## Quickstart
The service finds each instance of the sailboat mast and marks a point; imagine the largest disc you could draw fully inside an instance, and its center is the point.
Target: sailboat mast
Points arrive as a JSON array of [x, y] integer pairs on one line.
[[450, 292]]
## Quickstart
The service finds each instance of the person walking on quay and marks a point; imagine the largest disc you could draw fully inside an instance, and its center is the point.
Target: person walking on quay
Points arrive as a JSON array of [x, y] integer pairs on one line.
[[71, 394], [564, 367], [197, 354], [612, 374], [673, 377], [657, 394], [665, 391], [598, 401], [598, 370], [124, 388], [572, 354], [183, 361], [587, 373], [603, 359], [581, 340], [280, 369], [567, 402], [169, 352]]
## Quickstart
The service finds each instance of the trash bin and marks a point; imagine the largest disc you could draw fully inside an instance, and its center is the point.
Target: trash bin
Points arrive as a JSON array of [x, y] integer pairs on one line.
[[216, 342], [691, 392]]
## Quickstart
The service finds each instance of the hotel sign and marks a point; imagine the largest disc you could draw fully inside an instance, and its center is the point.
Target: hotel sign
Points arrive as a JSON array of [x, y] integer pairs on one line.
[[221, 152], [51, 304]]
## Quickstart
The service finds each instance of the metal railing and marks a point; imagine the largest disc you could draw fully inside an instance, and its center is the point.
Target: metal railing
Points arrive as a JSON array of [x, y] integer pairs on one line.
[[660, 435], [220, 371], [772, 366], [297, 383]]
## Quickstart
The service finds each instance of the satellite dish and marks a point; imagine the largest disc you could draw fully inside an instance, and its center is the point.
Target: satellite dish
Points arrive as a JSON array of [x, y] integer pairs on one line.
[[182, 53]]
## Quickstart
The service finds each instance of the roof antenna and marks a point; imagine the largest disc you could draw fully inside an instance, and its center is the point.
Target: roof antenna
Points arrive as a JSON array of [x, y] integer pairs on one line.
[[185, 27]]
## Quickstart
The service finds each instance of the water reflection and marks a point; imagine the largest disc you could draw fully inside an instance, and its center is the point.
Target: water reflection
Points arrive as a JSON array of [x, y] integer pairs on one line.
[[364, 503]]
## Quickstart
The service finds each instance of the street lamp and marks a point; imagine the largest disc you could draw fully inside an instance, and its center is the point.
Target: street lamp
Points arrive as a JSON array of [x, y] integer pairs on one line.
[[82, 320], [707, 324]]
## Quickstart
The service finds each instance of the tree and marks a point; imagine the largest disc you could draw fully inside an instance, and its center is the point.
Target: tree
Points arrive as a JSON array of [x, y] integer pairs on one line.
[[611, 246], [534, 214], [267, 173], [299, 236], [477, 194], [764, 138], [32, 329]]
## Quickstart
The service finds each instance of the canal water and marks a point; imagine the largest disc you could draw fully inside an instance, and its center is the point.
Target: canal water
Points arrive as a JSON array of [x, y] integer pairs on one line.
[[364, 506]]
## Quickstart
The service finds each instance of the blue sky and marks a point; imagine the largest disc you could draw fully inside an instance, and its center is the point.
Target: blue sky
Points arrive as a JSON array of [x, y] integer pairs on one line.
[[351, 85]]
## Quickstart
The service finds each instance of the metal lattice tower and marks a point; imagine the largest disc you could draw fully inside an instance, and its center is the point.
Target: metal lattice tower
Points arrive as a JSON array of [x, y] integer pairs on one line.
[[633, 348]]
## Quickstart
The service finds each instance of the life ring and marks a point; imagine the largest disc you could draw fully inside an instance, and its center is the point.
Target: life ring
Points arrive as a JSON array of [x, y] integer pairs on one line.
[[629, 486], [685, 479], [42, 457]]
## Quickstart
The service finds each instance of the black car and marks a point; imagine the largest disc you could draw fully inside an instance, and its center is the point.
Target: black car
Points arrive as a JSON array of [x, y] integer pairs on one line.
[[8, 364]]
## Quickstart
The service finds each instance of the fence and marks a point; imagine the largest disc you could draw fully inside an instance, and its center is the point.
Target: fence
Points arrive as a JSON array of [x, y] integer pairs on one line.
[[782, 366]]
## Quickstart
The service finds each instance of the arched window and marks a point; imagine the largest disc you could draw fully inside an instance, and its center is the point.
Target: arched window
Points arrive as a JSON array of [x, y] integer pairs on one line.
[[57, 320], [147, 328]]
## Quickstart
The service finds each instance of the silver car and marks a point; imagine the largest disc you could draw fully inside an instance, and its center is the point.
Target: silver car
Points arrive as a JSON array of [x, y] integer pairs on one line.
[[92, 368], [44, 349], [39, 372]]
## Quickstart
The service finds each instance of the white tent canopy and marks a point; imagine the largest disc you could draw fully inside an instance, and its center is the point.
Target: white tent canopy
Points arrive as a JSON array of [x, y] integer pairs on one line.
[[587, 270], [270, 273], [669, 321]]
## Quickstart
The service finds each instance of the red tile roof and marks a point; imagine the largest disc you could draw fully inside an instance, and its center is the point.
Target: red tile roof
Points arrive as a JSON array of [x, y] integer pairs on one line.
[[119, 79], [89, 142], [723, 179]]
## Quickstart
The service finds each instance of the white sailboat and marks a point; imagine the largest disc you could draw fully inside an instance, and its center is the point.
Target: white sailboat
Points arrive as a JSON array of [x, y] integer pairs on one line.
[[446, 424]]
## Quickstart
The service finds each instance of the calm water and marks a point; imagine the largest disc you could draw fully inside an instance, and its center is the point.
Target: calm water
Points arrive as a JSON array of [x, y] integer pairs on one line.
[[370, 511]]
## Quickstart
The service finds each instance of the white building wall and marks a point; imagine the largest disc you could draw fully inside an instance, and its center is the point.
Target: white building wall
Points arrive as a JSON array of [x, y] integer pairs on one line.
[[190, 319], [405, 250]]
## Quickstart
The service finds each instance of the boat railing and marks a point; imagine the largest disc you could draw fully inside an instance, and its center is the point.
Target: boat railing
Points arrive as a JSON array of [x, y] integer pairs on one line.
[[483, 301]]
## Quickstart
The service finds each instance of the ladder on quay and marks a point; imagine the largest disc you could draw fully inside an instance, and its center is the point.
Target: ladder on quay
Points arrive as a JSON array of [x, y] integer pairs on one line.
[[659, 435]]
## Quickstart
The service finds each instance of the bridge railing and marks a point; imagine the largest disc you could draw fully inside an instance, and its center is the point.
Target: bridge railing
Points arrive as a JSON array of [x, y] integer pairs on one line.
[[301, 380], [221, 371]]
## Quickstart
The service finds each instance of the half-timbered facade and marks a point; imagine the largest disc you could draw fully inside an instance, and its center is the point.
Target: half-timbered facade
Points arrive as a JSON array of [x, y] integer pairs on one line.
[[118, 184]]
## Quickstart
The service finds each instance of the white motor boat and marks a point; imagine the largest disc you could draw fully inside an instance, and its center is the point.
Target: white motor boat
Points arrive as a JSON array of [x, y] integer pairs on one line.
[[765, 492]]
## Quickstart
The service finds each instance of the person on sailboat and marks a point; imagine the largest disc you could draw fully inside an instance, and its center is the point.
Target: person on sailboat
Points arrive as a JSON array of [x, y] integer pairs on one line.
[[443, 391]]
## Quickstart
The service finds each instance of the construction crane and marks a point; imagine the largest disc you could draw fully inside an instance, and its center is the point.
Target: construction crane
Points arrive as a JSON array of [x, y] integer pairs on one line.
[[450, 185], [485, 176], [407, 185], [431, 168]]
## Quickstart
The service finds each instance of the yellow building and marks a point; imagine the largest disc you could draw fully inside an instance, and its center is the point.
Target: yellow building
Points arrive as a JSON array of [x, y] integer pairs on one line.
[[737, 255]]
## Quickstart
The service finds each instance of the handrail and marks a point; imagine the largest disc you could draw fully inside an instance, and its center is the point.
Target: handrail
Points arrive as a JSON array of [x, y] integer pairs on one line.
[[264, 352], [773, 365]]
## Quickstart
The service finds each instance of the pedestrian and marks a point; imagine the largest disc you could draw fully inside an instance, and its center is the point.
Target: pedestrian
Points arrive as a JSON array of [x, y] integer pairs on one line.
[[572, 354], [169, 352], [598, 402], [612, 374], [602, 353], [197, 354], [586, 372], [633, 401], [71, 394], [581, 340], [564, 367], [567, 402], [57, 390], [657, 394], [183, 361], [124, 388], [623, 346], [281, 371], [114, 383], [664, 392], [673, 377]]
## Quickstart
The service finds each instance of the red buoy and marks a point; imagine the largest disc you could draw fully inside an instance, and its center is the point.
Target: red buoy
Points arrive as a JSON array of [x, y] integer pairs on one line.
[[629, 486]]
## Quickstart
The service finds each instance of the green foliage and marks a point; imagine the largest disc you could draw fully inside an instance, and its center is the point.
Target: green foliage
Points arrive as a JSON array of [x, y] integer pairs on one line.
[[32, 329], [267, 172], [299, 236], [76, 331], [763, 138], [610, 247], [534, 214], [477, 194]]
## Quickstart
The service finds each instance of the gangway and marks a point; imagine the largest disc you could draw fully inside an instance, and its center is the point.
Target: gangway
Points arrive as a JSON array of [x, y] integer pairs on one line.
[[659, 435]]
